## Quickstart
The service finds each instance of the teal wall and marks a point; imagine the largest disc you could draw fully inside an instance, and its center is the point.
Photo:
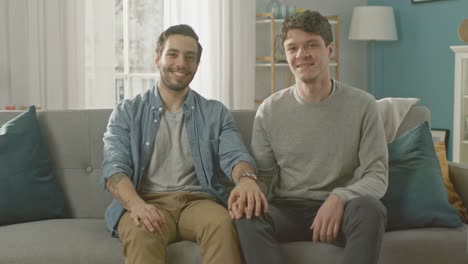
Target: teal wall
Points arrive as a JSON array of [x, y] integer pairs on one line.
[[421, 64]]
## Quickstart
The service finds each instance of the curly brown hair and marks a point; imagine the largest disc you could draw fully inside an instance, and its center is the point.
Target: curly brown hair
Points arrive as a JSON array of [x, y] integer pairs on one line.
[[308, 21]]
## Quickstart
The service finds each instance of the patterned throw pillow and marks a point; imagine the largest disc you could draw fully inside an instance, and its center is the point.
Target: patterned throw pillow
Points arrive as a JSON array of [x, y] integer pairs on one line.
[[453, 197]]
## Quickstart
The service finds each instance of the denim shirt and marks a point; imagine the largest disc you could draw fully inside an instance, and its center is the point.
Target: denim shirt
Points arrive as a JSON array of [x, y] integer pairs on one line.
[[215, 142]]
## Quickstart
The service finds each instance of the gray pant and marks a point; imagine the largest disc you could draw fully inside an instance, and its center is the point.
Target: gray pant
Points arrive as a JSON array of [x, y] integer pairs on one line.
[[361, 231]]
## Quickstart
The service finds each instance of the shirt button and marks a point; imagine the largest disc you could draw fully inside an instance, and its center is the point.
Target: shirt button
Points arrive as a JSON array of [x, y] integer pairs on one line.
[[160, 109], [155, 120], [193, 107], [147, 143], [152, 107]]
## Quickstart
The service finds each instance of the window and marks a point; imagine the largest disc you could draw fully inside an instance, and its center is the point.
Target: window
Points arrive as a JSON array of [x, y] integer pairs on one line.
[[138, 24]]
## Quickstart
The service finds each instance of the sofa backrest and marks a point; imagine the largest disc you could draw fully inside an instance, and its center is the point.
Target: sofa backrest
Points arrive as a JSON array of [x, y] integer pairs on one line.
[[74, 139]]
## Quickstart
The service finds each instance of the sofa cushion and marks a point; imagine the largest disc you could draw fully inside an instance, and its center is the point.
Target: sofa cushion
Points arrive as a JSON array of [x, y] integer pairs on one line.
[[453, 197], [416, 196], [59, 241], [425, 245], [29, 190], [74, 241], [79, 241]]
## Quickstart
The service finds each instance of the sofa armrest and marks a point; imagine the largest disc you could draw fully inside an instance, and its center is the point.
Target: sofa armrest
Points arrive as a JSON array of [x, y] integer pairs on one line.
[[459, 175]]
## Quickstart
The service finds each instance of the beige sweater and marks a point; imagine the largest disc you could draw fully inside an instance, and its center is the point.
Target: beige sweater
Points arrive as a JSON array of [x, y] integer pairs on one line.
[[309, 150]]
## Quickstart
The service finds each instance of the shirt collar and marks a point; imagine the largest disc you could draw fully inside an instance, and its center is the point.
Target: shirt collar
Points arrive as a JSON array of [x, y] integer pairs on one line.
[[301, 101], [156, 102]]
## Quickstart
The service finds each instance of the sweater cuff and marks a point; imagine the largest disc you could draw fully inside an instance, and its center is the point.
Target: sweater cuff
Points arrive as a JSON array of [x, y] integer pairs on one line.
[[344, 195]]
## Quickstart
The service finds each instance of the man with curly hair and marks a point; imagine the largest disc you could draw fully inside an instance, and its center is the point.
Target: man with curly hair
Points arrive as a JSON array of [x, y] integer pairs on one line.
[[321, 157]]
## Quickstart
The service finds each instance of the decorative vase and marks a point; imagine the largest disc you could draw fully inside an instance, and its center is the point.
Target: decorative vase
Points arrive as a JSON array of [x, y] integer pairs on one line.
[[274, 7], [279, 51], [463, 30]]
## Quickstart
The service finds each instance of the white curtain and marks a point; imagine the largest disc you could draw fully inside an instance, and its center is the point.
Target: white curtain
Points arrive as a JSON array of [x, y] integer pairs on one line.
[[42, 54], [226, 30], [100, 58], [60, 54]]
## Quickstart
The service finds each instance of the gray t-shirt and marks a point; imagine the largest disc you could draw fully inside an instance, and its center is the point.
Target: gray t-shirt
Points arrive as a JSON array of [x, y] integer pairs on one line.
[[309, 150], [171, 165]]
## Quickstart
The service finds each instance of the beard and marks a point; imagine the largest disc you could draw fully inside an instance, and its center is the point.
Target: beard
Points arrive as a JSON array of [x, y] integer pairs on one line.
[[172, 83]]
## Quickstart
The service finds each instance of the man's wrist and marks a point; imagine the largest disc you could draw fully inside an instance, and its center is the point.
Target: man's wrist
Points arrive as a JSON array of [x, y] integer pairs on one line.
[[248, 175], [337, 197], [134, 203]]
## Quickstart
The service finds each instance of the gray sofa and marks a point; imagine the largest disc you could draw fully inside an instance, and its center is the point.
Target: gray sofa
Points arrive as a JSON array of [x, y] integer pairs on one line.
[[74, 138]]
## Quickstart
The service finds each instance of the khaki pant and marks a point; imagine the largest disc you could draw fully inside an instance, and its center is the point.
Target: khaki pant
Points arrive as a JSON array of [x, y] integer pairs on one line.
[[189, 216]]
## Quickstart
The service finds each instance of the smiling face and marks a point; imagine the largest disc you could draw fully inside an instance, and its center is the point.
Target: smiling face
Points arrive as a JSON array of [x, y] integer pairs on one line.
[[307, 55], [177, 62]]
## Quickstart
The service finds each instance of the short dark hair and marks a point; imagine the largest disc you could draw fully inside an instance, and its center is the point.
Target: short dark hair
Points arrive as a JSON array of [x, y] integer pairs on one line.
[[182, 29], [308, 21]]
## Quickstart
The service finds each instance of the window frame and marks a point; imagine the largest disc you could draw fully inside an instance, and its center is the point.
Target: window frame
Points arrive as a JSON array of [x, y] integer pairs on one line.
[[122, 84]]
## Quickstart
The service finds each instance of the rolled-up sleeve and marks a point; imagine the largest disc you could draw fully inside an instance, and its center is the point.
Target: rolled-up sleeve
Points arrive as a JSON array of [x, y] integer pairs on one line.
[[117, 148], [232, 149]]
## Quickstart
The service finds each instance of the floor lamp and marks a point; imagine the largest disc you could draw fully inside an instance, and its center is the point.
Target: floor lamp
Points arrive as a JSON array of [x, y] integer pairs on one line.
[[373, 23]]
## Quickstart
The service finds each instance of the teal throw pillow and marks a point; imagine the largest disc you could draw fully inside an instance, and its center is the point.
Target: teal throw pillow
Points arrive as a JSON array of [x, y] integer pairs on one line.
[[416, 196], [29, 190]]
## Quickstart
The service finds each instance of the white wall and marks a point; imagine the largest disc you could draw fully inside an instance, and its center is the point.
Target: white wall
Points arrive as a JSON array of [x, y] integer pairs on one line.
[[353, 56]]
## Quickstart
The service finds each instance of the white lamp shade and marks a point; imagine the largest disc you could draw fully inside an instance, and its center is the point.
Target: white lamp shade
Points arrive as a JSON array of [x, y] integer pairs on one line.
[[373, 23]]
